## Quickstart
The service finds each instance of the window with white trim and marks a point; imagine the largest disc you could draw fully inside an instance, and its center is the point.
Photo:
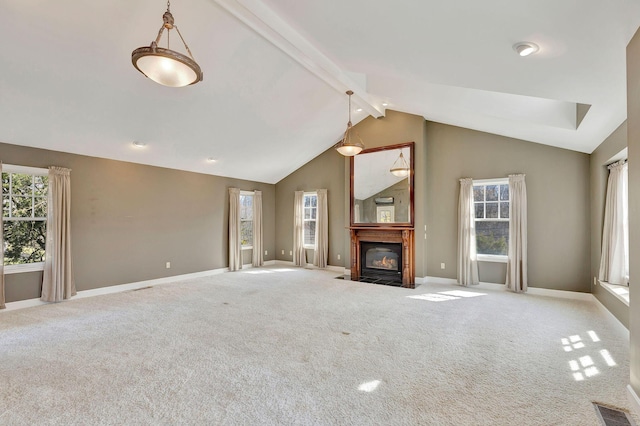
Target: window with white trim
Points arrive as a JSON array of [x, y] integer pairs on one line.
[[246, 220], [310, 206], [24, 215], [491, 203]]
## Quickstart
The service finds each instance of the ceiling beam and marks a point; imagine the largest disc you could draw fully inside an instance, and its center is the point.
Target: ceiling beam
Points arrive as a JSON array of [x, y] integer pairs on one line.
[[261, 19]]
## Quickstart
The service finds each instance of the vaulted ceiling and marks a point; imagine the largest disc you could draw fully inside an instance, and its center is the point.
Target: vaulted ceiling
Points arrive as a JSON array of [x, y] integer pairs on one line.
[[275, 73]]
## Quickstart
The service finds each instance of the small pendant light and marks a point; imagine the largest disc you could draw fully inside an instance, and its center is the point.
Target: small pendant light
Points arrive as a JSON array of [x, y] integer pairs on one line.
[[400, 168], [346, 146]]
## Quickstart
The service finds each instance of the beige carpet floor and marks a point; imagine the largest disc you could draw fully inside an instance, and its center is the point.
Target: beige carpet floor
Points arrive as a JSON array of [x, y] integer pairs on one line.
[[294, 346]]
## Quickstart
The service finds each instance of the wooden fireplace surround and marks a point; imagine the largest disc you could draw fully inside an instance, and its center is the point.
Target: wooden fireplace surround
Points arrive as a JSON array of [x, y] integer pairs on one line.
[[405, 236]]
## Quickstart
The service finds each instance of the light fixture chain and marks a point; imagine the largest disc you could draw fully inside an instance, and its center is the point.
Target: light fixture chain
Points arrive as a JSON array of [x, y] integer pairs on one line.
[[184, 42], [159, 34]]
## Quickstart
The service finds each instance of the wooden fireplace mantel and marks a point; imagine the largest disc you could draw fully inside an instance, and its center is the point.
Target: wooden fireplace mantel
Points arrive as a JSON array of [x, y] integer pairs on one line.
[[382, 234]]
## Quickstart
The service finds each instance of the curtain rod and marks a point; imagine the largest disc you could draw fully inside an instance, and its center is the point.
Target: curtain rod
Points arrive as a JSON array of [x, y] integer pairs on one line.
[[616, 163]]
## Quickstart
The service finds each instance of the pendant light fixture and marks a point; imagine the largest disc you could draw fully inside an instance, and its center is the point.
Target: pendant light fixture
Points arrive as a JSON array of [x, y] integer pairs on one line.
[[400, 168], [165, 66], [346, 146]]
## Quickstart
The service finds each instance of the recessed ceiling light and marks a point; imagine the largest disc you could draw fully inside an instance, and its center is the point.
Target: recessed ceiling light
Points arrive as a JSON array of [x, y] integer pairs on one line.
[[139, 144], [385, 104], [358, 109], [211, 160], [525, 48]]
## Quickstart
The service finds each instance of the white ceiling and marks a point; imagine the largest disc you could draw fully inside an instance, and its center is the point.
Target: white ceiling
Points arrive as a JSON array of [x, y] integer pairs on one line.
[[275, 73]]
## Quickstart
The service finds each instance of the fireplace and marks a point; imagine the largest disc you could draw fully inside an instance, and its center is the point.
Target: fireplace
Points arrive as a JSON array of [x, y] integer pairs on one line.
[[383, 255], [381, 262]]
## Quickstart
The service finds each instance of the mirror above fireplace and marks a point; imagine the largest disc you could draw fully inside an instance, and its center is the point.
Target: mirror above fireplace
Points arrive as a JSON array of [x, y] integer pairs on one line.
[[382, 186]]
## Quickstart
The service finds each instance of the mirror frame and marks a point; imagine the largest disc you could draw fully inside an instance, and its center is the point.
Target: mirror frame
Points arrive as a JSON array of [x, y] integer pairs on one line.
[[410, 224]]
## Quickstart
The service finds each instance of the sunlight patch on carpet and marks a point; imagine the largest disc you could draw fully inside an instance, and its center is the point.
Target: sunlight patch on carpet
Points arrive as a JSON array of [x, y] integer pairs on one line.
[[608, 358], [444, 296], [585, 365], [593, 335], [369, 386]]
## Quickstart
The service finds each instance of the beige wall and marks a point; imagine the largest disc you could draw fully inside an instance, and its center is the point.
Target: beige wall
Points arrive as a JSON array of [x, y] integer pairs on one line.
[[633, 138], [557, 194], [323, 172], [615, 143], [129, 219]]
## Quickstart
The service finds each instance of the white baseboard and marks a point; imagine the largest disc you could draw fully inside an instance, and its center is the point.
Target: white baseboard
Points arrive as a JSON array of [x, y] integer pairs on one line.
[[623, 330], [419, 280], [438, 280], [634, 400], [338, 269], [249, 265], [563, 294], [118, 288], [531, 290], [21, 304]]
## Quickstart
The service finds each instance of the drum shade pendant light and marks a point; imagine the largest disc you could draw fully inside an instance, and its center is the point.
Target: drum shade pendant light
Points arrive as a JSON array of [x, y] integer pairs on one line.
[[400, 168], [165, 66], [346, 146]]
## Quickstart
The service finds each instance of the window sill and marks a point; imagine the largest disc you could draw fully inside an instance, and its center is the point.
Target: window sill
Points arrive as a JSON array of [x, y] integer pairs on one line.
[[621, 292], [492, 258], [18, 269], [310, 247], [247, 248]]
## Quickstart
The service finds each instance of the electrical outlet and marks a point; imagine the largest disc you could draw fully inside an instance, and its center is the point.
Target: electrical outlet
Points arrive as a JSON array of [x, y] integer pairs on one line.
[[595, 281], [266, 252], [338, 257], [290, 253], [168, 265], [282, 251], [442, 265]]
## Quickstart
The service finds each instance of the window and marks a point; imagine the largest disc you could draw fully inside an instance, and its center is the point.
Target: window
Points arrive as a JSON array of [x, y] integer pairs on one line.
[[310, 204], [24, 213], [491, 202], [614, 257], [246, 220], [386, 214]]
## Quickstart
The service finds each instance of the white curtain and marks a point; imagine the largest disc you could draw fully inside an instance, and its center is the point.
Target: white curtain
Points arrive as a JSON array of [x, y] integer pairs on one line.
[[258, 258], [235, 249], [320, 257], [467, 258], [1, 254], [517, 260], [299, 253], [614, 261], [58, 283]]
